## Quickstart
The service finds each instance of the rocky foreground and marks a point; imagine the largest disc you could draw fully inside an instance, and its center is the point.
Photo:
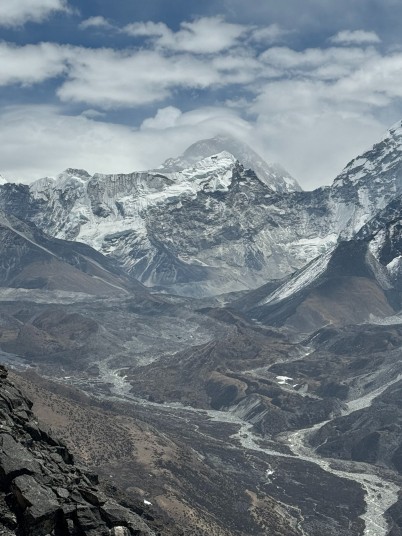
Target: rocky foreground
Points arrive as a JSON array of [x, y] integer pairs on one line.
[[42, 491]]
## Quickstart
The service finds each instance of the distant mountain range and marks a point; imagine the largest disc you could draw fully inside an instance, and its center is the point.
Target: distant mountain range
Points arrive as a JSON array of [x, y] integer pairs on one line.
[[215, 220]]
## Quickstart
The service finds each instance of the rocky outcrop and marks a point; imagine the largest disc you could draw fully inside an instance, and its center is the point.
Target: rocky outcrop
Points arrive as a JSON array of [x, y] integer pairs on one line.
[[42, 491]]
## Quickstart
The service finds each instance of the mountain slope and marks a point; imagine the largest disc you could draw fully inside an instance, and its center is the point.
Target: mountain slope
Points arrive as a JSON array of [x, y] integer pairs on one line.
[[29, 259], [42, 491], [346, 285], [179, 231]]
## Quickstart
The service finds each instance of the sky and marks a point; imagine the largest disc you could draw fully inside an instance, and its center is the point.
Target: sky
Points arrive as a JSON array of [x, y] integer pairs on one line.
[[115, 87]]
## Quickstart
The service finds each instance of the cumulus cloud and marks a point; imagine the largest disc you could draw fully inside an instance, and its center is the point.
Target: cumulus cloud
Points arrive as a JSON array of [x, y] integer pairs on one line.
[[147, 29], [118, 78], [268, 34], [317, 62], [53, 141], [112, 78], [313, 146], [315, 127], [355, 37], [206, 35], [31, 64], [201, 122], [18, 12], [95, 22], [164, 118]]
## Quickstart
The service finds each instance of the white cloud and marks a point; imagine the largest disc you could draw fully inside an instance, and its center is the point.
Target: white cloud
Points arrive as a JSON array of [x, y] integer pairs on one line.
[[18, 12], [206, 35], [131, 78], [201, 122], [355, 37], [147, 29], [31, 64], [268, 34], [316, 147], [52, 141], [313, 143], [164, 118], [314, 127], [93, 114], [95, 22], [333, 62], [313, 147], [121, 78]]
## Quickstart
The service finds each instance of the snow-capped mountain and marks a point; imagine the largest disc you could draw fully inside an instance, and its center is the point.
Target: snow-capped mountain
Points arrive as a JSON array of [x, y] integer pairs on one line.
[[136, 219], [273, 175], [373, 179], [384, 234], [178, 228], [206, 223], [378, 168]]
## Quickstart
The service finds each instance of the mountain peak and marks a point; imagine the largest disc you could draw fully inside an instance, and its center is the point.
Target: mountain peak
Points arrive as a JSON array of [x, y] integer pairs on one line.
[[82, 173], [394, 131], [272, 175]]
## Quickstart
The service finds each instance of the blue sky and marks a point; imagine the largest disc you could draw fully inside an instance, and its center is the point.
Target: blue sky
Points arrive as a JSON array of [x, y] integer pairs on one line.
[[120, 86]]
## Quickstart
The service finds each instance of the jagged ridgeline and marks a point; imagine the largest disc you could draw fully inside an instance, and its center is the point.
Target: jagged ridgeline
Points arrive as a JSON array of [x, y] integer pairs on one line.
[[214, 220]]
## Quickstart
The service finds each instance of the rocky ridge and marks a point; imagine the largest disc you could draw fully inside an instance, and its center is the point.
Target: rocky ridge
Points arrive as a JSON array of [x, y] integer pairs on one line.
[[30, 259], [42, 491]]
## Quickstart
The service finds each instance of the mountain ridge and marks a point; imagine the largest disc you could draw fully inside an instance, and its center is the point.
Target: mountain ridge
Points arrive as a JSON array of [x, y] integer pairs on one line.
[[213, 226]]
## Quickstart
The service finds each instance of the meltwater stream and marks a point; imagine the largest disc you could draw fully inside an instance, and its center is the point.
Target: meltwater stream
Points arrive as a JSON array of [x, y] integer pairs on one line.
[[380, 491]]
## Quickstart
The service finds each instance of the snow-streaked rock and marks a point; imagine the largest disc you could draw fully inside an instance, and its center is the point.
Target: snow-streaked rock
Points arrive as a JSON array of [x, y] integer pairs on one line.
[[273, 175], [204, 224]]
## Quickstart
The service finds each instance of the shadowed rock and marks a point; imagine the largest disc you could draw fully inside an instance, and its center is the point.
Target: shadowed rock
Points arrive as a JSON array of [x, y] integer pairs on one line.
[[42, 491]]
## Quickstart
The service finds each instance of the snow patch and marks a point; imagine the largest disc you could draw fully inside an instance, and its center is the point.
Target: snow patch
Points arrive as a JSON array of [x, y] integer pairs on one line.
[[301, 280], [283, 380]]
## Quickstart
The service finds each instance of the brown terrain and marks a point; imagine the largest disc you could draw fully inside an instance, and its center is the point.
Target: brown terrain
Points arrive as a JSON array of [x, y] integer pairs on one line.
[[185, 492]]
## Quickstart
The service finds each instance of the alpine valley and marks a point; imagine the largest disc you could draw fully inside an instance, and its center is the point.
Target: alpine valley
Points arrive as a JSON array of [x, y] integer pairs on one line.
[[223, 349]]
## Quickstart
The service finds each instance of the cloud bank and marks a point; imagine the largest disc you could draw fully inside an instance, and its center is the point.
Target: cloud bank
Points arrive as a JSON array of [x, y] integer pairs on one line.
[[18, 12], [312, 108]]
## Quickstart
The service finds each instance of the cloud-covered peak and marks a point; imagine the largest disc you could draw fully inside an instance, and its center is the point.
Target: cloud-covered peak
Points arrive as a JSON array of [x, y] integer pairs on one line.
[[274, 176], [134, 92]]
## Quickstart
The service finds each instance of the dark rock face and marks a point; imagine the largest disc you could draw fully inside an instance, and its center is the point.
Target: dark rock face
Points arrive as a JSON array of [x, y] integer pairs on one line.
[[42, 491], [342, 287], [371, 435]]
